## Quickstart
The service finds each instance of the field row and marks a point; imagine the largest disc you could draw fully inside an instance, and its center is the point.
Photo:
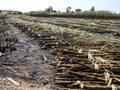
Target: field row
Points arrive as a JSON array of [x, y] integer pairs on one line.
[[83, 59], [108, 27]]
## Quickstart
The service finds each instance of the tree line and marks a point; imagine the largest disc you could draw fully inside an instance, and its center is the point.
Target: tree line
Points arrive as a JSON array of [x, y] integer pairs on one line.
[[78, 13]]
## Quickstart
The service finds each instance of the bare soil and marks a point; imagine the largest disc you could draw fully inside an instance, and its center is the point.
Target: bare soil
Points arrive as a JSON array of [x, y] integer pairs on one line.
[[26, 64]]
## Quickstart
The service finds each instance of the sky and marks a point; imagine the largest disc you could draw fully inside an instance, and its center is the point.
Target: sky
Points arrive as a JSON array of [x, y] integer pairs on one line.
[[34, 5]]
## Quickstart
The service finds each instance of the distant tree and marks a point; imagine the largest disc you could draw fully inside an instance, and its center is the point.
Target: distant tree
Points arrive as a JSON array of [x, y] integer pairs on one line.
[[58, 11], [78, 10], [92, 9], [68, 9], [72, 11], [49, 9], [54, 11]]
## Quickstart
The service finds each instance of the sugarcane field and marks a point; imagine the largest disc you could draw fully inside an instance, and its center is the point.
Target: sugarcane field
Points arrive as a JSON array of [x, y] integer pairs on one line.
[[65, 51]]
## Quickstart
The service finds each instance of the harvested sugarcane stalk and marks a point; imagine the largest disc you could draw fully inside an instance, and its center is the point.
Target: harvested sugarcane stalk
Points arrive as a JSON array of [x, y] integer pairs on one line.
[[13, 81], [93, 87], [81, 67], [2, 54], [84, 86], [60, 69], [64, 75], [69, 79], [7, 64], [81, 84], [114, 87], [94, 74], [71, 65], [110, 81], [85, 75], [117, 79], [64, 82], [70, 52]]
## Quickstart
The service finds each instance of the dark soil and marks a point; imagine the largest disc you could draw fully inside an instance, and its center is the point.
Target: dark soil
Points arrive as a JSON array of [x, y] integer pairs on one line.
[[25, 64]]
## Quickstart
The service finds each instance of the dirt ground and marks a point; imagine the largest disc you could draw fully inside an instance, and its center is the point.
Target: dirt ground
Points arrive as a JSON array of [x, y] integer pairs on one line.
[[39, 53], [26, 64]]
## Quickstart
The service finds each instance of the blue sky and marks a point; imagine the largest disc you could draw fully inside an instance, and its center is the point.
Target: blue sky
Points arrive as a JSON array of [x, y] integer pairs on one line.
[[29, 5]]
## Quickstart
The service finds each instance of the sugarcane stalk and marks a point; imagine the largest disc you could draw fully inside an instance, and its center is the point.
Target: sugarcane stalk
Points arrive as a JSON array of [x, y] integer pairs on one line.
[[85, 75]]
